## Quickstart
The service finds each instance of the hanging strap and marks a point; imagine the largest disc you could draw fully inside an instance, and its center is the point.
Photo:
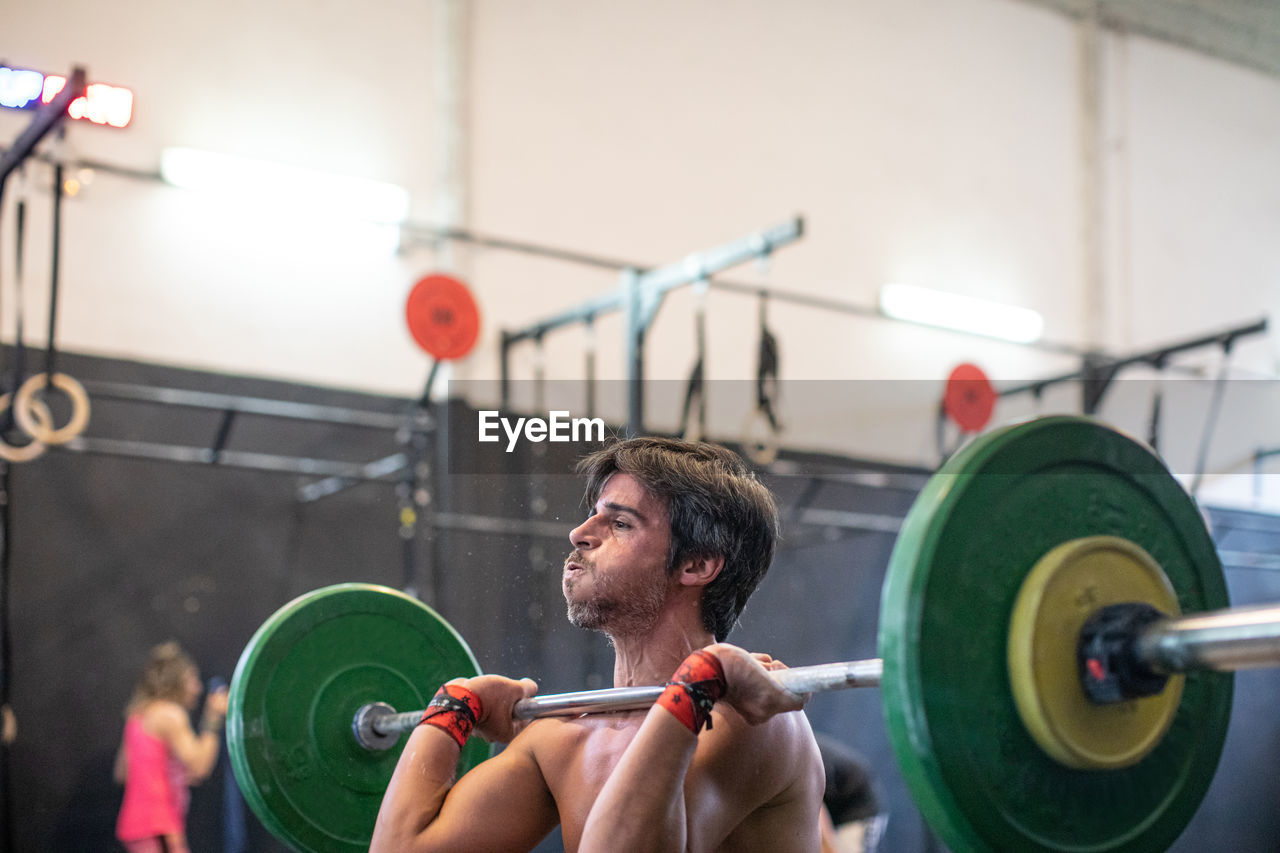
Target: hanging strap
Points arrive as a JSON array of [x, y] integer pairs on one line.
[[1211, 420], [694, 394], [28, 409], [32, 448], [1157, 401], [767, 368], [51, 353], [539, 374], [19, 347]]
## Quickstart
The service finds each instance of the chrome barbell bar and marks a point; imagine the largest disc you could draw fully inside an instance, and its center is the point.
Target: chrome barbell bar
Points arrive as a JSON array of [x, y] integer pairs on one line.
[[1220, 640]]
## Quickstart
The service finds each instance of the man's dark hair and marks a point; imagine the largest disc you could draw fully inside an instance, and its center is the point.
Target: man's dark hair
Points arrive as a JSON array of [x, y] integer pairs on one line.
[[850, 792], [717, 508]]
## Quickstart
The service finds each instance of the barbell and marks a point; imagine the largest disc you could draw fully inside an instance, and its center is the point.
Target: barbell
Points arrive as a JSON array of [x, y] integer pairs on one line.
[[1042, 687]]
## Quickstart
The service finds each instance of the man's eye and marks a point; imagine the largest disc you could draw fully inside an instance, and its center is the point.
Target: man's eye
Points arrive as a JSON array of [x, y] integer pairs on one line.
[[619, 523]]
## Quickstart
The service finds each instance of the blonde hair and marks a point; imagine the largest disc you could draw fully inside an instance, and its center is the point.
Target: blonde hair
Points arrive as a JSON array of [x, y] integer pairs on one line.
[[163, 677]]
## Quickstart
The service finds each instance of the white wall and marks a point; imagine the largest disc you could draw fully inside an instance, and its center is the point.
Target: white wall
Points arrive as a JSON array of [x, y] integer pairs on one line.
[[932, 142]]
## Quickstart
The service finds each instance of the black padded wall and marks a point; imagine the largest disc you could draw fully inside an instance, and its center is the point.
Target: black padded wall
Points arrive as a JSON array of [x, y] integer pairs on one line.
[[111, 555]]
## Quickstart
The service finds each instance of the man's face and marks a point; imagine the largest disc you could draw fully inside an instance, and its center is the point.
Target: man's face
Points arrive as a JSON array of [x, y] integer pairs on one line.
[[616, 578]]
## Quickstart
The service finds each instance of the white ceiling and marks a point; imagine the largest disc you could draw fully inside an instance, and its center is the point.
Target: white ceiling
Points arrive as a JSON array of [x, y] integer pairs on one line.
[[1245, 32]]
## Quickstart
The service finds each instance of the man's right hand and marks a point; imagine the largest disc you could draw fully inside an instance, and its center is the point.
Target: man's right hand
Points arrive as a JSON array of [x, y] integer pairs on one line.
[[750, 689], [498, 696]]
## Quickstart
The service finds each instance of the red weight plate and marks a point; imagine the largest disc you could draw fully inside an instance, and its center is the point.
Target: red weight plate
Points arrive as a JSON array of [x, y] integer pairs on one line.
[[969, 398], [443, 317]]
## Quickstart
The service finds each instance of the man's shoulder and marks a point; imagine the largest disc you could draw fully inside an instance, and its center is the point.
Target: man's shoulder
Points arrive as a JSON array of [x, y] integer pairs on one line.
[[782, 747], [789, 731]]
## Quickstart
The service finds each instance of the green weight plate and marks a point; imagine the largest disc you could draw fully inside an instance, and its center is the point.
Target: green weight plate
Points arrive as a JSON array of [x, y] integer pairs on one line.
[[296, 689], [976, 530]]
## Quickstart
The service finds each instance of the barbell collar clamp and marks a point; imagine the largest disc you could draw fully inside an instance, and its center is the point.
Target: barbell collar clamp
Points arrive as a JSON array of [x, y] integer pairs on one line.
[[1110, 670], [371, 728], [1128, 651]]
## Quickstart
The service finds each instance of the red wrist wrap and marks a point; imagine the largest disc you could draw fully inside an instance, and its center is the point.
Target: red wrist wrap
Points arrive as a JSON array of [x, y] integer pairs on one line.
[[454, 709], [694, 689]]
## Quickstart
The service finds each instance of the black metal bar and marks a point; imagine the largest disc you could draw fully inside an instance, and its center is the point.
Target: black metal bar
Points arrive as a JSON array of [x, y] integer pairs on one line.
[[589, 369], [6, 650], [437, 234], [378, 469], [1250, 561], [224, 432], [504, 374], [656, 282], [228, 458], [591, 308], [441, 492], [425, 399], [635, 333], [492, 525], [47, 117], [838, 306], [872, 478], [51, 353], [247, 405], [1102, 369]]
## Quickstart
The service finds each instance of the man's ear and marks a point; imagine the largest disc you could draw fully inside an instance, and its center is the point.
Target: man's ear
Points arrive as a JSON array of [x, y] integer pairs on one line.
[[700, 571]]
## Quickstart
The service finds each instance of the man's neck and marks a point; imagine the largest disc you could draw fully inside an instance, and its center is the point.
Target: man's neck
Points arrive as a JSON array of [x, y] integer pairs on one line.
[[652, 656]]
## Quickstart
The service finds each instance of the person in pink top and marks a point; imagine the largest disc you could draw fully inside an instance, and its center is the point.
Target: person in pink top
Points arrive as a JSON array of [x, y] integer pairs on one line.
[[160, 755]]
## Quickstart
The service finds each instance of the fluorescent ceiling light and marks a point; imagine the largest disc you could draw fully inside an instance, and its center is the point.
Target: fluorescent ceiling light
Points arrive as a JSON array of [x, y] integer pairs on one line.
[[281, 186], [962, 313]]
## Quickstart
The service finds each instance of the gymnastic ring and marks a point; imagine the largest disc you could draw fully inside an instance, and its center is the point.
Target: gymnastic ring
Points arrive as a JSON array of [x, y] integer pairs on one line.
[[32, 449], [22, 402]]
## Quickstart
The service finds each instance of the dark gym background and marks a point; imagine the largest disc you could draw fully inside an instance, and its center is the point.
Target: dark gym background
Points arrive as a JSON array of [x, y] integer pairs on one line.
[[111, 555]]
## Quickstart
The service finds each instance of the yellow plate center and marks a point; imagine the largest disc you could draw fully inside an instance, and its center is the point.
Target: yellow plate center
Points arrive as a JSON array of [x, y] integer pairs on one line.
[[1067, 586]]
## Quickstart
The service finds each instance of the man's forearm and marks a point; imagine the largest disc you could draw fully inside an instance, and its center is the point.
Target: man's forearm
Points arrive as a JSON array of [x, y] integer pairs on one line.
[[414, 796]]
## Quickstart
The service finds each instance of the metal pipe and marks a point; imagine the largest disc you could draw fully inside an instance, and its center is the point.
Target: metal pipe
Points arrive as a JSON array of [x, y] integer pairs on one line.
[[1150, 357], [1221, 640], [354, 471], [337, 415], [377, 725]]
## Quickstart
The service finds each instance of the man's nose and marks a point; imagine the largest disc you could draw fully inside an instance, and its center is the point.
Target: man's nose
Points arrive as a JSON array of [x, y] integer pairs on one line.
[[582, 537]]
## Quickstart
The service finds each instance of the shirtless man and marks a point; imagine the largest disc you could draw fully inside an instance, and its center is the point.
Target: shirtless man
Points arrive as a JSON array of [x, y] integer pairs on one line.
[[678, 537]]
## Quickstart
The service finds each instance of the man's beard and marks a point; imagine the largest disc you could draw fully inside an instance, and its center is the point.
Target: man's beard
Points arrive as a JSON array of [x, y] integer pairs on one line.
[[614, 611]]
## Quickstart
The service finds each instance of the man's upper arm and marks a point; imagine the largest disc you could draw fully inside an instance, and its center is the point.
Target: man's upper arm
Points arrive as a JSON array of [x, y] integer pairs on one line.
[[501, 804], [505, 800]]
